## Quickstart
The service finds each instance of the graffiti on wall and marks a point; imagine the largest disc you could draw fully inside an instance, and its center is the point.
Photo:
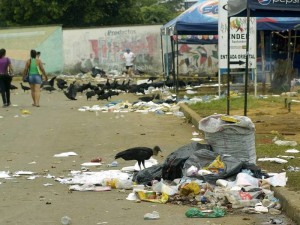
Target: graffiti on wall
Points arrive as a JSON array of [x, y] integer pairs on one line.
[[104, 47], [198, 59]]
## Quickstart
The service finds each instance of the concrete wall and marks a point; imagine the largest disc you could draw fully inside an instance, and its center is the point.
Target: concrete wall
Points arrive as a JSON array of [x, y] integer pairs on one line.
[[102, 47], [19, 41]]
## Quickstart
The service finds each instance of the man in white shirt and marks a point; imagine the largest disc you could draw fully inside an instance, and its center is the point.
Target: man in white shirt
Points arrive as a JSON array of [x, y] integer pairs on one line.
[[129, 58]]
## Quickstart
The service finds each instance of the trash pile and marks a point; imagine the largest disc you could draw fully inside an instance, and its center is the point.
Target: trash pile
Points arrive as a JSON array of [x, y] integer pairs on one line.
[[139, 107], [213, 178]]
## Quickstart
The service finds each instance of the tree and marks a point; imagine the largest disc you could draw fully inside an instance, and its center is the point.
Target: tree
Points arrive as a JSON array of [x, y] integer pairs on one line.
[[69, 13]]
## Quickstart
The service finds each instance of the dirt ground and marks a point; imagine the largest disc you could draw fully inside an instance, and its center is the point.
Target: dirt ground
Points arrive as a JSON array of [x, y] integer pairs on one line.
[[29, 142]]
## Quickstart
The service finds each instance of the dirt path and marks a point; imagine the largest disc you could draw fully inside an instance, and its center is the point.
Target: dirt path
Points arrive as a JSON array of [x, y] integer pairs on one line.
[[28, 143]]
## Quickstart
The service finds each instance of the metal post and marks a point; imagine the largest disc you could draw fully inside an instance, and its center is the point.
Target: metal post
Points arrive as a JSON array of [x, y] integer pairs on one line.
[[228, 65], [247, 60]]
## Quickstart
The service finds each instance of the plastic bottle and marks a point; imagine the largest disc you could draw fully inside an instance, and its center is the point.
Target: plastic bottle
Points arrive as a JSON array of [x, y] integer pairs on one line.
[[65, 220]]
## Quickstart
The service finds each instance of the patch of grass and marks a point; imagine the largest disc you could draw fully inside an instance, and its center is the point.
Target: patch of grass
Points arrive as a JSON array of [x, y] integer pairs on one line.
[[220, 106], [271, 150]]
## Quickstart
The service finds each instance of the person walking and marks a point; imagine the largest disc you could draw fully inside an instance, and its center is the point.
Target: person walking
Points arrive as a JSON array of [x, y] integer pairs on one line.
[[129, 58], [32, 67], [6, 73]]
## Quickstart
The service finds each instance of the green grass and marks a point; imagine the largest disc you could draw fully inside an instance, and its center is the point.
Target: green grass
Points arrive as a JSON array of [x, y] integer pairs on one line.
[[220, 106], [264, 145], [271, 150]]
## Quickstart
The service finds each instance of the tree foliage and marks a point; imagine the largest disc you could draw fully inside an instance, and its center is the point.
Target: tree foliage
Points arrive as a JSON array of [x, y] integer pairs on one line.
[[78, 13]]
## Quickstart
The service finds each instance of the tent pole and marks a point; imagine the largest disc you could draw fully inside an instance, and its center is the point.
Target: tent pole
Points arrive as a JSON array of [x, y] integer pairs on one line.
[[228, 66], [177, 67], [173, 59], [162, 56], [167, 58], [247, 59]]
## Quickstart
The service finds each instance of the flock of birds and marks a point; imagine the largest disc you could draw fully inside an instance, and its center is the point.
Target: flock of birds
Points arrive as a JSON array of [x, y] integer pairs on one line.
[[104, 91]]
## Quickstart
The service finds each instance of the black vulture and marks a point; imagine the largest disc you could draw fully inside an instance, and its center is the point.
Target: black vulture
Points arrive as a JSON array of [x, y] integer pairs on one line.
[[71, 92], [90, 94], [149, 98], [49, 88], [13, 87], [138, 153], [25, 88], [152, 79]]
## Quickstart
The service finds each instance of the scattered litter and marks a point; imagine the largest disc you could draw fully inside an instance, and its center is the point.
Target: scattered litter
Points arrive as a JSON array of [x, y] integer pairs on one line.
[[96, 160], [132, 197], [65, 154], [260, 208], [65, 220], [293, 169], [91, 164], [286, 156], [277, 160], [195, 133], [48, 184], [18, 173], [49, 176], [277, 179], [152, 216], [113, 164], [89, 187], [197, 213], [4, 174], [25, 112], [1, 117], [32, 163], [196, 139], [285, 143], [274, 221], [32, 177], [292, 151]]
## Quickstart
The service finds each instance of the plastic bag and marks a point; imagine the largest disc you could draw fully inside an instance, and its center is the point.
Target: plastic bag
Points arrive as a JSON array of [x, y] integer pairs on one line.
[[217, 166], [196, 213], [192, 187], [124, 184]]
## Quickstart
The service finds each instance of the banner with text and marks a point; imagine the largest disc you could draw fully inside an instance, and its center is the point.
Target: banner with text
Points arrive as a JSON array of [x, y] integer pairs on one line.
[[238, 39]]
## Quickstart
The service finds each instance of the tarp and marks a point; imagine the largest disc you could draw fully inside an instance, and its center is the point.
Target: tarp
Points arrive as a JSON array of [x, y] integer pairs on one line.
[[202, 18], [273, 8]]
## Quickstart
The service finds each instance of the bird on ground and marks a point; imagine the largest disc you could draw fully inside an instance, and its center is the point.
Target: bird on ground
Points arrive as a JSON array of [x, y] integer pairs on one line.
[[149, 98], [90, 94], [152, 79], [25, 88], [61, 84], [48, 82], [138, 153], [13, 87], [49, 88], [71, 92]]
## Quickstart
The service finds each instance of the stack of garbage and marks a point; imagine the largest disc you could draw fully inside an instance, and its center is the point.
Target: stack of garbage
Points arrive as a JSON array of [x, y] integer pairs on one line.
[[213, 178]]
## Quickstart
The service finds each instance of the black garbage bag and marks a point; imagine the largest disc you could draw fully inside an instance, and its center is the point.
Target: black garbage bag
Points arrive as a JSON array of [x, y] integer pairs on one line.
[[145, 176], [173, 165], [203, 158]]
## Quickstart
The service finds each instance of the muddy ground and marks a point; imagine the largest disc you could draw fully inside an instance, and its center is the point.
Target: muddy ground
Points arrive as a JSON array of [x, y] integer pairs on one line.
[[29, 142]]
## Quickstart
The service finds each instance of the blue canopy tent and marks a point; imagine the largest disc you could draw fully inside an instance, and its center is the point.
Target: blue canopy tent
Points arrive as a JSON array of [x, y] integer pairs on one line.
[[202, 18]]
